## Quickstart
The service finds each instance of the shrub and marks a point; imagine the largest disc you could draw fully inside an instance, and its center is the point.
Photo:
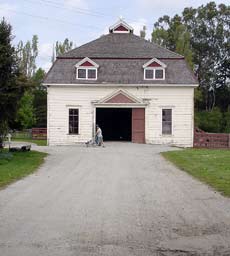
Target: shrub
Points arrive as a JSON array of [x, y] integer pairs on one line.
[[227, 121], [212, 121]]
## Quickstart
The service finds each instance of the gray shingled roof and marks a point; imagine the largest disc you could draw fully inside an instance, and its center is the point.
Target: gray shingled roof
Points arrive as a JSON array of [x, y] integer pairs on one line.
[[120, 58], [120, 72], [121, 46]]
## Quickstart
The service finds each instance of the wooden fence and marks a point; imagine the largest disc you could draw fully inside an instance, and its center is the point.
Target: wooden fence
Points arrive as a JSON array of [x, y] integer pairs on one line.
[[39, 133], [211, 140]]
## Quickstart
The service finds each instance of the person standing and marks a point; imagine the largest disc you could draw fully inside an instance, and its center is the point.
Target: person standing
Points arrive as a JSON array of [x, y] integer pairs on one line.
[[99, 137]]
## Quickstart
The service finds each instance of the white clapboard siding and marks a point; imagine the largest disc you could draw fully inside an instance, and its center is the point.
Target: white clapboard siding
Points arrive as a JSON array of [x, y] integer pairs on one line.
[[180, 99]]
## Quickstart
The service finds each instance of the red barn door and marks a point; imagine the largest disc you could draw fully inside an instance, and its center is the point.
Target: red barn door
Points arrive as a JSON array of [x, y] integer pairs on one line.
[[138, 125]]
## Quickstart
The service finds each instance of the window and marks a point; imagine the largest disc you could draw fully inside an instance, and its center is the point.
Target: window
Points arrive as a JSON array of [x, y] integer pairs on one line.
[[154, 73], [91, 73], [73, 121], [159, 74], [149, 74], [167, 121], [81, 73], [87, 73]]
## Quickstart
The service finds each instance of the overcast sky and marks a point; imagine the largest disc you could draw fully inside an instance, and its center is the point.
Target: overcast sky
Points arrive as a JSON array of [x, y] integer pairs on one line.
[[82, 20]]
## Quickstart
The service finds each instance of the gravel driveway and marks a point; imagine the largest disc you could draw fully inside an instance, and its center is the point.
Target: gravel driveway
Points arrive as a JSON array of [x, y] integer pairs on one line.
[[121, 200]]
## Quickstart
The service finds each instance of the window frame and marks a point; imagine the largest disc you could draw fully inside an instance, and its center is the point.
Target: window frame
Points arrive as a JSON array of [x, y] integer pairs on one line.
[[75, 108], [154, 73], [86, 69], [172, 132]]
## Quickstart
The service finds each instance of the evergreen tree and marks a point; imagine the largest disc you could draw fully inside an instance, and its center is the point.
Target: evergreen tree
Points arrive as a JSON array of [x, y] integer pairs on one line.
[[12, 85]]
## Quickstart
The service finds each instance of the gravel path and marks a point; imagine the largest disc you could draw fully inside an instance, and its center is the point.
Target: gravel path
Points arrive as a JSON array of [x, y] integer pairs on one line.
[[121, 200]]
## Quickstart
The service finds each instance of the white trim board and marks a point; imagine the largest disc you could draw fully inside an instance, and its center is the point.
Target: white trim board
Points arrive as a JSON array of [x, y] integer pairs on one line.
[[119, 85]]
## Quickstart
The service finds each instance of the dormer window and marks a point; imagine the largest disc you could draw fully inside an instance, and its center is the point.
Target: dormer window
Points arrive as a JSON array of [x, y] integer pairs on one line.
[[86, 73], [154, 70], [86, 69]]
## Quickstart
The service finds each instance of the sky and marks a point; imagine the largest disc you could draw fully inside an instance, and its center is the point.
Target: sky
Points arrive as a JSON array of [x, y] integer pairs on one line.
[[83, 20]]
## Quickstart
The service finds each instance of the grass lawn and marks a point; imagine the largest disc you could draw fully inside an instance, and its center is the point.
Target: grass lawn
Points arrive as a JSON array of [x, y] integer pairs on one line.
[[209, 166], [14, 166], [38, 142]]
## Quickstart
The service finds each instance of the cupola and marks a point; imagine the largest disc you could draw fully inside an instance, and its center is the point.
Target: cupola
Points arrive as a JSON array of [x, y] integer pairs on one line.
[[121, 27]]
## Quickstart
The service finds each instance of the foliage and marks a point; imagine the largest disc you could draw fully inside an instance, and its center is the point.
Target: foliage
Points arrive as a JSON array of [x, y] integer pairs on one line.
[[19, 166], [198, 98], [210, 121], [38, 77], [143, 32], [40, 107], [209, 26], [61, 48], [174, 35], [209, 166], [33, 106], [227, 121], [223, 98], [202, 36], [25, 114], [27, 54], [40, 99], [12, 84]]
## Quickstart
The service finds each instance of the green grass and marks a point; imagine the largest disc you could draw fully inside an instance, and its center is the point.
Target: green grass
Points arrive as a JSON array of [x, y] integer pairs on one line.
[[38, 142], [209, 166], [14, 166]]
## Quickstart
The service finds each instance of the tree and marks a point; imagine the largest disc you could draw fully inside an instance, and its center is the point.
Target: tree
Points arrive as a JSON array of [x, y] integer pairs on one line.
[[12, 84], [227, 121], [25, 114], [61, 48], [210, 121], [40, 99], [202, 36], [209, 27], [143, 32], [174, 35], [27, 54]]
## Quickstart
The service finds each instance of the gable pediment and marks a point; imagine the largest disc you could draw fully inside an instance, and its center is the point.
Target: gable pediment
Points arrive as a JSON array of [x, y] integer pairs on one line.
[[86, 62], [120, 97], [154, 63]]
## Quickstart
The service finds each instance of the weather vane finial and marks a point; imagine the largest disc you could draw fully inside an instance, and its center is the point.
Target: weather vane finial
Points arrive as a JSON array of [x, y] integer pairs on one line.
[[120, 17]]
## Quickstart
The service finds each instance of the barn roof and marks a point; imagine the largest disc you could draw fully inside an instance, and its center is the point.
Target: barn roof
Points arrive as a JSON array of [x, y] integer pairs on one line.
[[120, 72], [120, 57], [120, 46]]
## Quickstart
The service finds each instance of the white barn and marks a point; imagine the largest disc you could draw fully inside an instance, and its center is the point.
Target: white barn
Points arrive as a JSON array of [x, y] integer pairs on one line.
[[135, 90]]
